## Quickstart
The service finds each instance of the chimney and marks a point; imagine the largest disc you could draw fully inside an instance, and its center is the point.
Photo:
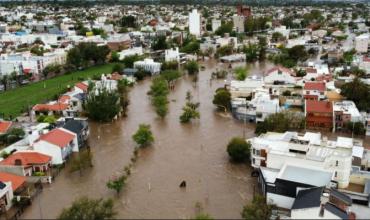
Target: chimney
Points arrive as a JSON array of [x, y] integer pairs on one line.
[[18, 162]]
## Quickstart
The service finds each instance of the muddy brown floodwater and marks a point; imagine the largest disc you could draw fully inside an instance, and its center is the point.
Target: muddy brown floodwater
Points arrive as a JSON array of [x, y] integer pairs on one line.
[[194, 152]]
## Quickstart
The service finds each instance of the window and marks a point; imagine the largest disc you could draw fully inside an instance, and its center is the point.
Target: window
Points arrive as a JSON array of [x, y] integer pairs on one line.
[[335, 174], [336, 163]]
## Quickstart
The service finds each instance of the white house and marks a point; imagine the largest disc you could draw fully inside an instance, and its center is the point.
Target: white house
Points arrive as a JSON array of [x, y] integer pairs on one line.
[[148, 65], [194, 23], [365, 64], [258, 109], [246, 87], [280, 75], [273, 150], [216, 23], [362, 43], [130, 52], [6, 194], [281, 186], [174, 55], [58, 143]]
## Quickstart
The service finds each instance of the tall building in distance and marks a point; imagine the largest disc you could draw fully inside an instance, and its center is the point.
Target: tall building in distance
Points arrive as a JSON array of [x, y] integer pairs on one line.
[[194, 23], [238, 23], [243, 10]]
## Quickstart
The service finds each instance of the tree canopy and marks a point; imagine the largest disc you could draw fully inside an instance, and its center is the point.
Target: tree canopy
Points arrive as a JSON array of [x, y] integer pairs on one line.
[[222, 99], [238, 149], [143, 136], [257, 209], [102, 104], [88, 209], [358, 92]]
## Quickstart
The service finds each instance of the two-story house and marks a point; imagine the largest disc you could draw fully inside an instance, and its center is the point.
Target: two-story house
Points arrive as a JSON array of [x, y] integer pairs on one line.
[[58, 143], [319, 114]]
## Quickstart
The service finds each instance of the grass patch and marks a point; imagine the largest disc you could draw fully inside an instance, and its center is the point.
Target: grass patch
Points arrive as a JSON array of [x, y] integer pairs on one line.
[[16, 101]]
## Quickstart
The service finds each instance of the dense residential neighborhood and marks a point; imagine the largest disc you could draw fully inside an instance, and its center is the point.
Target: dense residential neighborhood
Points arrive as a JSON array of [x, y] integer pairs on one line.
[[196, 110]]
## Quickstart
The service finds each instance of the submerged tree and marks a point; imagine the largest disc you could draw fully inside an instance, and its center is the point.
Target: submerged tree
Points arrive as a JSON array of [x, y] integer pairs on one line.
[[143, 136], [117, 183], [158, 92], [89, 209], [238, 149], [257, 209], [102, 104], [190, 110], [222, 99]]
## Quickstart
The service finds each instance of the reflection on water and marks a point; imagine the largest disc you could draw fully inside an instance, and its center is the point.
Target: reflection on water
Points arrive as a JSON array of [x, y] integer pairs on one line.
[[193, 152]]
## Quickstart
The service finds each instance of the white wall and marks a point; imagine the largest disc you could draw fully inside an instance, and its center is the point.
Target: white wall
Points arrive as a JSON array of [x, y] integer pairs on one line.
[[279, 200], [49, 149], [275, 76]]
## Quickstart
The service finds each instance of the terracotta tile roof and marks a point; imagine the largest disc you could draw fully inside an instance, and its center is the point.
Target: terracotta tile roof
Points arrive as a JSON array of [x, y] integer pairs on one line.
[[50, 107], [315, 106], [4, 126], [82, 86], [320, 86], [64, 99], [282, 69], [58, 137], [17, 181], [27, 158]]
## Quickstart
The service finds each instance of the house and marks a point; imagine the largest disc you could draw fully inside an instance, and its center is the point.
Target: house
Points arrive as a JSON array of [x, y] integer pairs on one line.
[[174, 55], [81, 87], [130, 52], [314, 90], [6, 195], [258, 109], [216, 23], [9, 185], [52, 108], [119, 41], [5, 126], [27, 163], [362, 43], [240, 89], [243, 10], [78, 126], [344, 112], [319, 114], [365, 64], [148, 65], [238, 22], [281, 187], [272, 150], [58, 143], [321, 203], [280, 75]]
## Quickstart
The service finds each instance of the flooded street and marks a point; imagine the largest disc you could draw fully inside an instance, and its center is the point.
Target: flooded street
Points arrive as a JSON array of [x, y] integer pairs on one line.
[[195, 152]]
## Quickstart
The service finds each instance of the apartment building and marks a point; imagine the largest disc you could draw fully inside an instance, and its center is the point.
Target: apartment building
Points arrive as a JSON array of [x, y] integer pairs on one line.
[[195, 23]]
